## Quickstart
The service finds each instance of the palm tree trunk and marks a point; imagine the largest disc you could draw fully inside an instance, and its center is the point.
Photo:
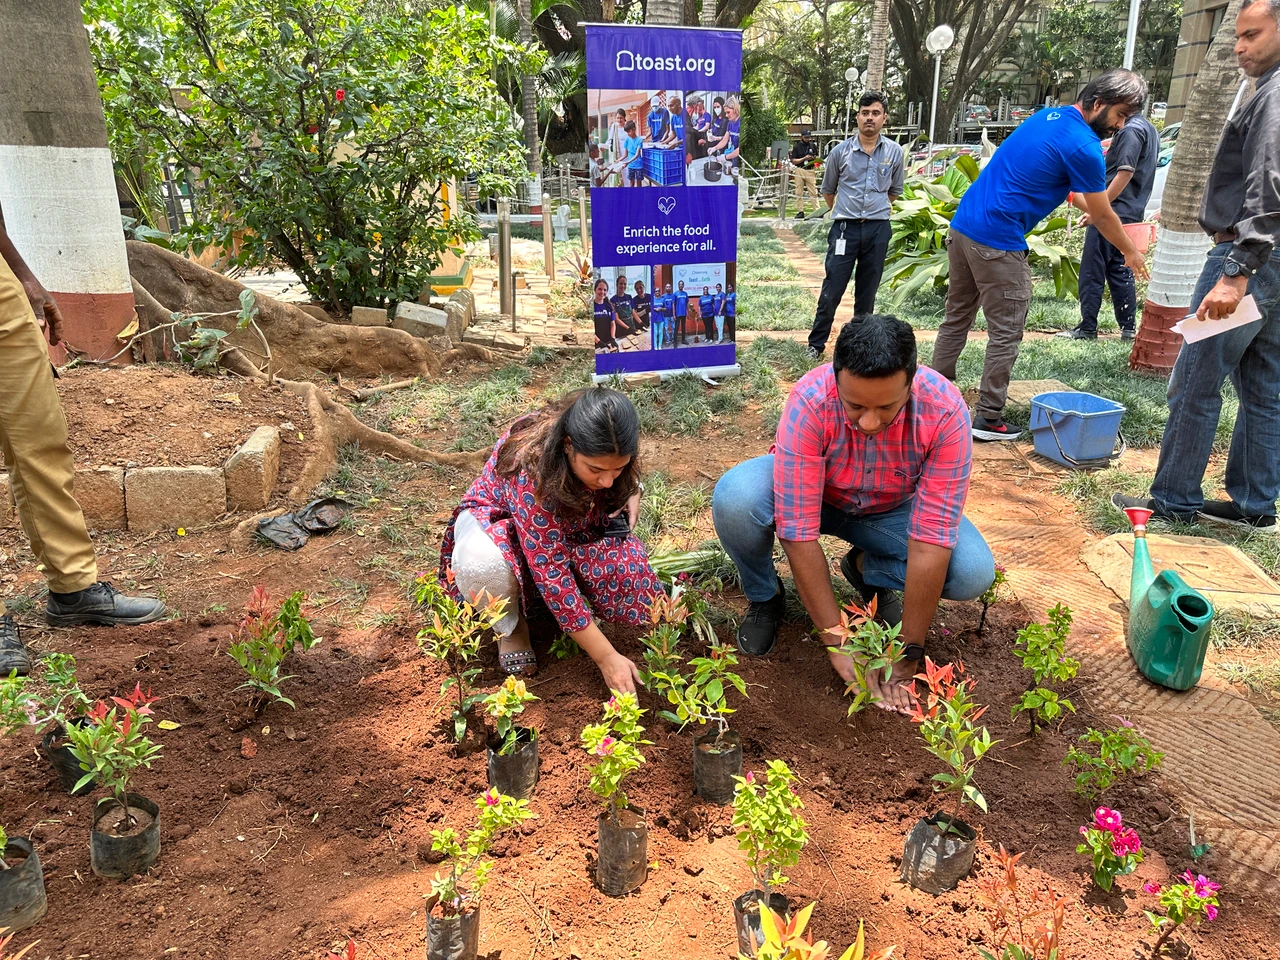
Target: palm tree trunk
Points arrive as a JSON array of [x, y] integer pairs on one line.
[[528, 96], [708, 13], [1181, 244], [878, 42], [665, 12]]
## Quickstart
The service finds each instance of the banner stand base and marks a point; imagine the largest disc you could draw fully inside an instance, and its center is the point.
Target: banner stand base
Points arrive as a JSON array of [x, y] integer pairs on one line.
[[706, 373]]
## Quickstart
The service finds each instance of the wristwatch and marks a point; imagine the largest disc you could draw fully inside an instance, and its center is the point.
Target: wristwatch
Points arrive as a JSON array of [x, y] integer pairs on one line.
[[913, 651], [1232, 268]]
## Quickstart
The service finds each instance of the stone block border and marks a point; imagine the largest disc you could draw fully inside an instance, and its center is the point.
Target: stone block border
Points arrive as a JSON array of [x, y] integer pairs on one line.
[[146, 499]]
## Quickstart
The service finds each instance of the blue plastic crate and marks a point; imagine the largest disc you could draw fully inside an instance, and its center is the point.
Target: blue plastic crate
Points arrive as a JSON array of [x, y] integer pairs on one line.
[[1076, 429], [664, 167]]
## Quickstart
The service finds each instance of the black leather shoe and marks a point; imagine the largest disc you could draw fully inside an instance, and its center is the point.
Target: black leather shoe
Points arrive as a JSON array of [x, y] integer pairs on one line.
[[104, 605], [13, 652], [888, 602], [1076, 334], [758, 631]]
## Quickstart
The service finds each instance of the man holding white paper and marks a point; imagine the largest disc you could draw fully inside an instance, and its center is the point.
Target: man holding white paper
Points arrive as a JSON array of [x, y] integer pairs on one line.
[[1241, 211]]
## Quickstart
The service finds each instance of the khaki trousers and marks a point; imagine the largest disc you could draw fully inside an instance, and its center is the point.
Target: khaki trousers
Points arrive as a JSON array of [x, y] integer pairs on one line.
[[33, 435], [806, 186]]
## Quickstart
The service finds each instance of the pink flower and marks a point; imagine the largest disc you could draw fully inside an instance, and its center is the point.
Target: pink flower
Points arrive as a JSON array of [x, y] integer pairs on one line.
[[1151, 887], [1108, 820], [750, 777], [1187, 876], [340, 94], [1210, 912], [1125, 842], [613, 703], [492, 798], [606, 747], [1084, 831], [1205, 887]]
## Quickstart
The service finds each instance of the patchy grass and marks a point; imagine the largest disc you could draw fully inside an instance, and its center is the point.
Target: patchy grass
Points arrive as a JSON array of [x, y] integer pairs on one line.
[[764, 268], [1260, 678], [776, 307], [1234, 629], [669, 511]]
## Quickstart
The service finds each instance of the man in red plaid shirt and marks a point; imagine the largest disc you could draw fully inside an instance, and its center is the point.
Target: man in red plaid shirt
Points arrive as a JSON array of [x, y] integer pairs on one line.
[[876, 451]]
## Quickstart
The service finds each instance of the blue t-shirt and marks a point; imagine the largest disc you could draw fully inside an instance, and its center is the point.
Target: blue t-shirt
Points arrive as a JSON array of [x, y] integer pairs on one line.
[[635, 154], [730, 304], [702, 121], [677, 125], [681, 303], [662, 304], [623, 305], [734, 126], [706, 304], [602, 313], [641, 304], [718, 301], [1051, 153], [658, 120]]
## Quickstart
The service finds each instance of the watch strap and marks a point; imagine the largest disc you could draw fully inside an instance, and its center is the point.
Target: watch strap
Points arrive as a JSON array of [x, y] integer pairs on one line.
[[913, 651]]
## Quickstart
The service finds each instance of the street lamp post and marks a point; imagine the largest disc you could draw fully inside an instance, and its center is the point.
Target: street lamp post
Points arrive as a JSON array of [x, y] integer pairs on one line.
[[851, 75], [1131, 33], [937, 43]]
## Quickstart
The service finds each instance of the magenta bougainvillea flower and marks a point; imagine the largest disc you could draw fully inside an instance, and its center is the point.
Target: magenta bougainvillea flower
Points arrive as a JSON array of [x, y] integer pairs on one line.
[[1107, 819], [1125, 842], [606, 747], [1151, 887]]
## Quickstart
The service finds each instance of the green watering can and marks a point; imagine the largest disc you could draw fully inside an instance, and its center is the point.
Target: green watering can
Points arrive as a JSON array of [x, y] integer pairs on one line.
[[1168, 620]]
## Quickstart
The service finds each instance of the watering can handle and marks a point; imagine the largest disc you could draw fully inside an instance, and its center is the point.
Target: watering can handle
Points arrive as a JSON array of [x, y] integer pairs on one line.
[[1086, 464]]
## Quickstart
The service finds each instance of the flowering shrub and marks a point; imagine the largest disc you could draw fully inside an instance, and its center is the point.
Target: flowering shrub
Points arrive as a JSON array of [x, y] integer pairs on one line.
[[1028, 927], [991, 595], [871, 645], [504, 705], [111, 746], [263, 639], [1120, 753], [1193, 900], [786, 940], [770, 828], [54, 699], [1042, 650], [616, 741], [948, 724], [468, 870], [1115, 848], [452, 636]]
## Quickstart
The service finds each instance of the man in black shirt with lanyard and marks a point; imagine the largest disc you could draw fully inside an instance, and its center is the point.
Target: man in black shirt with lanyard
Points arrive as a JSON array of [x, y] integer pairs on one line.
[[804, 157]]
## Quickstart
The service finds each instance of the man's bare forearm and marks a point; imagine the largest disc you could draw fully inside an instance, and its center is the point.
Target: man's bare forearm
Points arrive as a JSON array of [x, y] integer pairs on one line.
[[927, 565], [813, 582]]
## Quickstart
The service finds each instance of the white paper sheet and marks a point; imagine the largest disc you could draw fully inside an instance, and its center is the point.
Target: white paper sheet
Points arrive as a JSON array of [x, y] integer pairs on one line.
[[1194, 330]]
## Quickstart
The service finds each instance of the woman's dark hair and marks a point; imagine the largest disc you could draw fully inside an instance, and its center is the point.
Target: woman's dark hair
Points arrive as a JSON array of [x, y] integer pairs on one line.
[[598, 422], [873, 96], [876, 345], [621, 113], [596, 286]]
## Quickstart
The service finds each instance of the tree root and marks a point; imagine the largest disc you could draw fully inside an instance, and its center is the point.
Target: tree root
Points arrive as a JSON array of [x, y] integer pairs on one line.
[[335, 426]]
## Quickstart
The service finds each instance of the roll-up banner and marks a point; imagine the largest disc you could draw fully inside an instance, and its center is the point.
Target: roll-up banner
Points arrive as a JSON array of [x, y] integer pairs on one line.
[[664, 128]]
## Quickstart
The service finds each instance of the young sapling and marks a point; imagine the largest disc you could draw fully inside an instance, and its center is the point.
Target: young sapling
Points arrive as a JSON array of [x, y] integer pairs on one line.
[[871, 646], [263, 638], [616, 741], [506, 704], [1042, 650], [459, 886], [111, 746], [766, 811], [1120, 753]]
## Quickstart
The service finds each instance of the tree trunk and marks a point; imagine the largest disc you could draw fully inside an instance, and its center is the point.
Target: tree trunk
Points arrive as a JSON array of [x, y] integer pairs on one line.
[[879, 42], [708, 13], [528, 95], [1181, 245], [665, 12]]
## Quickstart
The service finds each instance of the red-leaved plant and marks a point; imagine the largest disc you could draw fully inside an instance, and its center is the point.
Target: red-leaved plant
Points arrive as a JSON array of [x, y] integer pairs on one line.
[[1027, 926], [111, 746]]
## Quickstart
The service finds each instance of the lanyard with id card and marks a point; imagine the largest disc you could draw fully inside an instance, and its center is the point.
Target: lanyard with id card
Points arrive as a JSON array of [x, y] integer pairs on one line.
[[840, 245]]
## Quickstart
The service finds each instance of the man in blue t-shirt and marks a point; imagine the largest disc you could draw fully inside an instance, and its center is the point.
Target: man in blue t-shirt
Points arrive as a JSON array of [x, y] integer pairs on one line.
[[662, 324], [730, 314], [680, 303], [1131, 173], [659, 119], [1052, 153]]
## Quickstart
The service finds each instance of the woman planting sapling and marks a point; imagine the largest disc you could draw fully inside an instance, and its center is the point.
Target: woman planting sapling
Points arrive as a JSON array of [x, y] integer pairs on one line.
[[550, 519]]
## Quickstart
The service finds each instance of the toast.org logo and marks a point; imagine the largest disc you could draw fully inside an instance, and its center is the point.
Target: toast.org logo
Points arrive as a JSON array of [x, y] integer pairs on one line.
[[627, 60]]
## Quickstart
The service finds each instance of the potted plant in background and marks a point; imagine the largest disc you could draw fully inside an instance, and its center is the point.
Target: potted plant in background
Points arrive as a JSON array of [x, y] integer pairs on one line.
[[263, 639], [513, 755], [871, 646], [1189, 902], [939, 850], [453, 909], [22, 895], [1042, 650], [52, 702], [452, 636], [622, 857], [772, 833], [125, 839], [1116, 849]]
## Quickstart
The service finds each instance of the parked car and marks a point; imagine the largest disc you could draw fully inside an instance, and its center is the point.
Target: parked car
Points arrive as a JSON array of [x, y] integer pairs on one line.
[[1020, 113], [1158, 110]]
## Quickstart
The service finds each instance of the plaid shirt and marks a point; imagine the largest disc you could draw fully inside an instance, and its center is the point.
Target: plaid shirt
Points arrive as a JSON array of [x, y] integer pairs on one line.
[[923, 456]]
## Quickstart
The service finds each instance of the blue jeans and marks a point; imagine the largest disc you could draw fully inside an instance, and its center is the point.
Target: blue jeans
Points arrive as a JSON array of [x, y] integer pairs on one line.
[[742, 508], [1250, 356]]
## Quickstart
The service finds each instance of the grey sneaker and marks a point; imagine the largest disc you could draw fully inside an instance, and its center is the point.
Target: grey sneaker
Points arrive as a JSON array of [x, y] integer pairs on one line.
[[13, 652], [104, 605]]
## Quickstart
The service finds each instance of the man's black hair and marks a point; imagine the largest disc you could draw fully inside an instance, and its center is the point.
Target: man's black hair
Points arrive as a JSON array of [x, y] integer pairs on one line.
[[1115, 87], [873, 96], [874, 346]]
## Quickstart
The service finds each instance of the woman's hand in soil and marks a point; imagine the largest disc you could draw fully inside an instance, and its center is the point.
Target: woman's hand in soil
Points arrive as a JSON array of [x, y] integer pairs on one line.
[[619, 673]]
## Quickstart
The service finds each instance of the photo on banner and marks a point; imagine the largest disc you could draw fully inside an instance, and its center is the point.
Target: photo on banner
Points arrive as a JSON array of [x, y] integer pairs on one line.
[[664, 127]]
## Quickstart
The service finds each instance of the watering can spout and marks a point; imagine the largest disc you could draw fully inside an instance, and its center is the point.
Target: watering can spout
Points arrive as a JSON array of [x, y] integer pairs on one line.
[[1168, 630], [1142, 573]]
